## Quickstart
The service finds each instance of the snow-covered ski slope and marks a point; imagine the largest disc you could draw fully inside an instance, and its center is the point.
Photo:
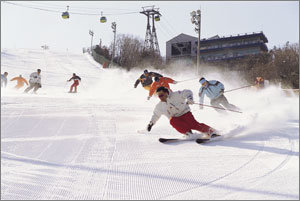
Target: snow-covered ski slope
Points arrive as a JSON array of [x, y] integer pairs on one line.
[[56, 145]]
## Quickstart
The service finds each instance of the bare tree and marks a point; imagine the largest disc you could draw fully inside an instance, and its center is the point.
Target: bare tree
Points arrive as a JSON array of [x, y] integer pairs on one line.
[[128, 51], [277, 65]]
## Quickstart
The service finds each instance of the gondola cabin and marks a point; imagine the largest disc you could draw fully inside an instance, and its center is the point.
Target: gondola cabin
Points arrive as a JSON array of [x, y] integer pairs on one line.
[[103, 19], [65, 15], [157, 18]]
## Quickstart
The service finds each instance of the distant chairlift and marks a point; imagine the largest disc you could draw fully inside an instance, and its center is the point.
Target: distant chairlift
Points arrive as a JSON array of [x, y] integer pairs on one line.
[[103, 18], [65, 15]]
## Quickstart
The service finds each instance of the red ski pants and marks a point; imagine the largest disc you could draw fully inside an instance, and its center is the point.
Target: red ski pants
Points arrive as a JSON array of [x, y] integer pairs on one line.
[[75, 84], [187, 122]]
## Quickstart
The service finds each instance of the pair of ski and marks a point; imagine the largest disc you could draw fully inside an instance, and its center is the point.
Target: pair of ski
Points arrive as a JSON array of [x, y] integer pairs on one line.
[[198, 140]]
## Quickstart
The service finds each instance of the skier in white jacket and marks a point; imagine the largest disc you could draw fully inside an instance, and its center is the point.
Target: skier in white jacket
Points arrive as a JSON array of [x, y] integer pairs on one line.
[[175, 106], [34, 81]]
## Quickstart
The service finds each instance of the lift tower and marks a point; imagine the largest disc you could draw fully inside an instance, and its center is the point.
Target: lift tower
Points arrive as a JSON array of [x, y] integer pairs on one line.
[[151, 42]]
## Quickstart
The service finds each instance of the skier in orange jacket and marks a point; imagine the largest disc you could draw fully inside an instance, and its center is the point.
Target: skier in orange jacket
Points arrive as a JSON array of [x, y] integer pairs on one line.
[[160, 82], [20, 81]]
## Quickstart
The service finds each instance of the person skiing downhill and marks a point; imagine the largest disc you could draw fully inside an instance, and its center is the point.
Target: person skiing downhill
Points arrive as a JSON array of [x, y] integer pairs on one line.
[[146, 79], [215, 91], [76, 80], [34, 81], [4, 79], [259, 83], [175, 106], [20, 81], [160, 82]]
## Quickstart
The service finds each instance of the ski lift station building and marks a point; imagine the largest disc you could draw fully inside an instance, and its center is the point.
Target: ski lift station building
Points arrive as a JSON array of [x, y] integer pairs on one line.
[[216, 48]]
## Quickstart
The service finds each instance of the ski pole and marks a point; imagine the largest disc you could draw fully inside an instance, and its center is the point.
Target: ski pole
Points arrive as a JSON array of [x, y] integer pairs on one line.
[[188, 80], [238, 88], [218, 107]]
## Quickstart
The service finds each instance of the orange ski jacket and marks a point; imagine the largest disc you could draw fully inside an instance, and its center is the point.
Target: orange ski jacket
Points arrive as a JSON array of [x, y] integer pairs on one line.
[[163, 82], [20, 81]]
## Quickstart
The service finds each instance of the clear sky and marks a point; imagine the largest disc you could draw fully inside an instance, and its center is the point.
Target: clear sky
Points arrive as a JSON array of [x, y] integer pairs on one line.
[[23, 27]]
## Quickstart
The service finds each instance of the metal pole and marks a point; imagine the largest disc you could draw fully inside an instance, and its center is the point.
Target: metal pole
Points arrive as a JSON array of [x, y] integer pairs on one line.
[[196, 19], [199, 33], [239, 88], [114, 26], [198, 53], [92, 34], [92, 44], [220, 108]]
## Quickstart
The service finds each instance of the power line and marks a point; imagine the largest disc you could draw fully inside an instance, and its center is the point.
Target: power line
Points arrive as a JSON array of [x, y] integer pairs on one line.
[[77, 7], [170, 25], [56, 11], [43, 9]]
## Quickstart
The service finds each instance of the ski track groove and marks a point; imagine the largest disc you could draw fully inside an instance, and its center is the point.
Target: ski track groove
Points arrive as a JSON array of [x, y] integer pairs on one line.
[[217, 179], [14, 121], [110, 162], [92, 128], [288, 156], [21, 114], [51, 142], [55, 191]]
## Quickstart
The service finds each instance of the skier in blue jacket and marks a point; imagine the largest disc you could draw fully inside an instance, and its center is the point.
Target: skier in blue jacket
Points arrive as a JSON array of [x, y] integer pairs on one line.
[[214, 90], [4, 79]]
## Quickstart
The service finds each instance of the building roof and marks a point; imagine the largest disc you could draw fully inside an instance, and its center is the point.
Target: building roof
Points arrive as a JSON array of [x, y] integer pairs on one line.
[[182, 37], [238, 37]]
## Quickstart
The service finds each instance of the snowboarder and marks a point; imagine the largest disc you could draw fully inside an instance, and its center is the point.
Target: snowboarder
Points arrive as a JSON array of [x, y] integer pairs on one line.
[[20, 81], [175, 106], [146, 79], [160, 82], [215, 91], [76, 79], [34, 81], [4, 79]]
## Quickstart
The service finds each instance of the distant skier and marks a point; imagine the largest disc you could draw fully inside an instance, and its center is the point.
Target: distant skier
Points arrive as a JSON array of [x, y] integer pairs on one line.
[[146, 79], [4, 79], [76, 80], [259, 83], [215, 91], [20, 81], [160, 82], [175, 106], [34, 81]]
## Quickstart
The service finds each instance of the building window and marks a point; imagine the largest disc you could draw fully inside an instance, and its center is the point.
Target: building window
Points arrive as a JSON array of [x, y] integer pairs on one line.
[[184, 48]]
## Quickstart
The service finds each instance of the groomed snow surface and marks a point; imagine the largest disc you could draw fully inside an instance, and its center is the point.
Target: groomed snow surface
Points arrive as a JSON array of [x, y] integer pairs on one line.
[[93, 144]]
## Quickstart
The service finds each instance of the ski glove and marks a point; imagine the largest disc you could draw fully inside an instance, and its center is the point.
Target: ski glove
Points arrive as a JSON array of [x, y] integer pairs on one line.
[[222, 91], [175, 82], [149, 126], [148, 98]]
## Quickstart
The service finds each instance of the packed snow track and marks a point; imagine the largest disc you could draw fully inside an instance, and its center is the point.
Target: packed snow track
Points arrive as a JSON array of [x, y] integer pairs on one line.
[[57, 145]]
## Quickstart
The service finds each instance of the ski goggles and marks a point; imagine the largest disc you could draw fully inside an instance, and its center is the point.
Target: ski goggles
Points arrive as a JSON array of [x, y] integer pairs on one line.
[[202, 81]]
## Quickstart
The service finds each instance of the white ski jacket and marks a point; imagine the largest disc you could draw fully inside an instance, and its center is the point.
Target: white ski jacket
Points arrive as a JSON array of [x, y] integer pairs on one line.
[[174, 107], [35, 78]]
